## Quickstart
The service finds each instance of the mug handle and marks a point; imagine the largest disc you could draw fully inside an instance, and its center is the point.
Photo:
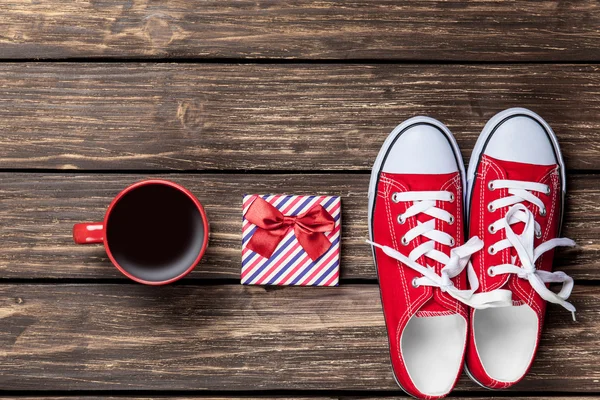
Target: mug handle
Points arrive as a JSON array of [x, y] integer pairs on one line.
[[88, 233]]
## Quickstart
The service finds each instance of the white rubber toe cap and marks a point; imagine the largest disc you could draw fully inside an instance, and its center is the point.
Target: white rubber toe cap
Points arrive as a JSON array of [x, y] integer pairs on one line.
[[521, 138], [422, 148]]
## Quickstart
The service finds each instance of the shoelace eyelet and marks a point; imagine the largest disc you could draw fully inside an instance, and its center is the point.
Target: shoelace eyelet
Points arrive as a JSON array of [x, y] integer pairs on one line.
[[404, 241], [491, 186], [400, 220], [538, 235], [451, 197], [548, 190], [395, 197], [452, 242], [543, 212], [491, 250], [414, 283], [490, 207], [490, 271], [491, 229], [451, 220]]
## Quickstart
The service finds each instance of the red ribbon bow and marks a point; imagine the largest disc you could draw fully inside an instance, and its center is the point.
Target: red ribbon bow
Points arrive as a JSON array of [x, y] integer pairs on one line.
[[272, 226]]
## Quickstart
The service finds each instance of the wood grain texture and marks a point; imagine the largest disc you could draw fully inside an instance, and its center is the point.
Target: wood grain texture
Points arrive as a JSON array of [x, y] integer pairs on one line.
[[105, 337], [273, 397], [38, 211], [181, 397], [271, 117], [480, 30]]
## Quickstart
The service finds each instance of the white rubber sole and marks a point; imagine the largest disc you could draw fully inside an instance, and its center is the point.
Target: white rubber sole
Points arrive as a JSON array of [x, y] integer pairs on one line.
[[484, 136], [475, 380]]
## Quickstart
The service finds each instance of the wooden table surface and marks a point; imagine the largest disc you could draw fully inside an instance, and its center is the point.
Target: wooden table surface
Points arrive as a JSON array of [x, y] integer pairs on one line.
[[231, 97]]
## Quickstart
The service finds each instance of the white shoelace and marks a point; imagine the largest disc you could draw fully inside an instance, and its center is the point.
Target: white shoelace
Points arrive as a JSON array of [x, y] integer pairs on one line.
[[425, 202], [523, 244]]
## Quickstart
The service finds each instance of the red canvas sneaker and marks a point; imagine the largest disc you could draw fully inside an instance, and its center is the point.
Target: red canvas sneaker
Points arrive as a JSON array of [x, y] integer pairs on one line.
[[416, 230], [516, 187]]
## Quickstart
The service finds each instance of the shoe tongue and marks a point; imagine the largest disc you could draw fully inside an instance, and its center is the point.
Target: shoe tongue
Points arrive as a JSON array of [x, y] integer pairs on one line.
[[429, 182], [523, 172], [426, 182]]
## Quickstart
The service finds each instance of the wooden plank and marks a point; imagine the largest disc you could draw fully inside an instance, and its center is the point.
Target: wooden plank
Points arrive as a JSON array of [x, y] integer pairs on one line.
[[384, 29], [134, 397], [233, 337], [271, 117], [38, 211]]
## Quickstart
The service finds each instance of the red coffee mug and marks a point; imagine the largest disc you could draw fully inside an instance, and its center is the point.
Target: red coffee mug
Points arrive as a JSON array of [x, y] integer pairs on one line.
[[154, 232]]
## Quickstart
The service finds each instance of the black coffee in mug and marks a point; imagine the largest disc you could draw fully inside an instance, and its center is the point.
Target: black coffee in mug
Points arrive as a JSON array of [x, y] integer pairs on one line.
[[155, 232]]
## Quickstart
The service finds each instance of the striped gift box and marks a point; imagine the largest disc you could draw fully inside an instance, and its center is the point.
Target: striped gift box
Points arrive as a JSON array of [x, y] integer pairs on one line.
[[289, 264]]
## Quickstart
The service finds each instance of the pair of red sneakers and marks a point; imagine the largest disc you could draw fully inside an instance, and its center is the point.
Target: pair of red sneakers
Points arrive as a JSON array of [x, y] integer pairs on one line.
[[479, 303]]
